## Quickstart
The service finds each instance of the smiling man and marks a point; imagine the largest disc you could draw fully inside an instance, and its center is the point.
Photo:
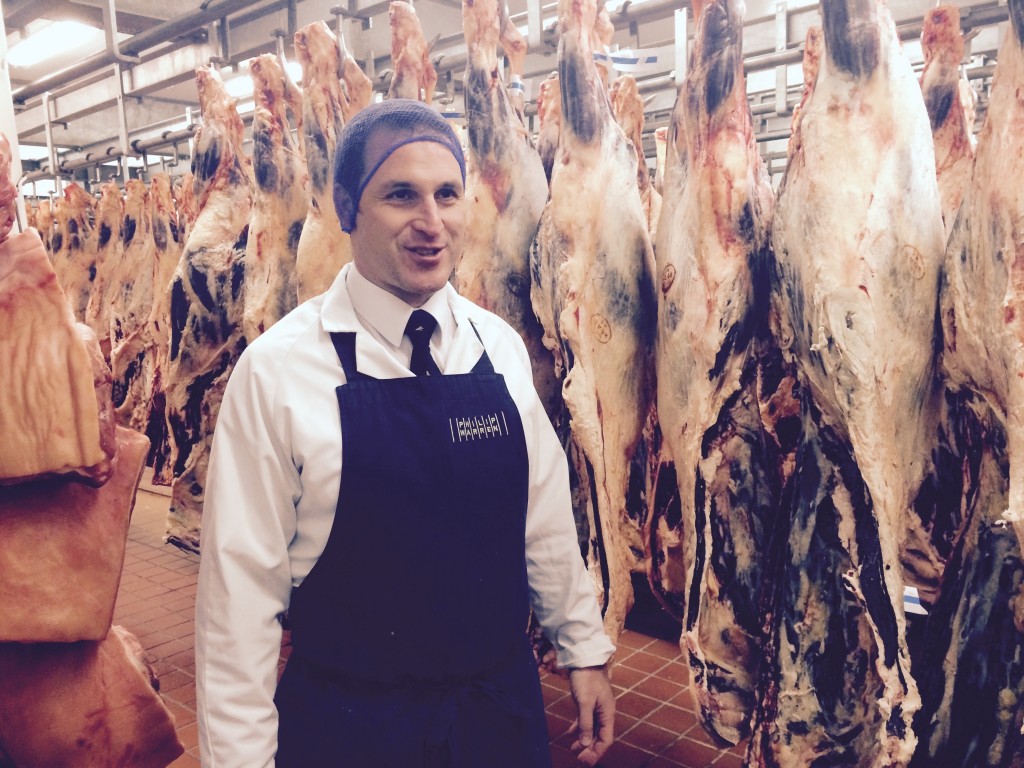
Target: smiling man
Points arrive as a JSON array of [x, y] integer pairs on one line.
[[383, 473]]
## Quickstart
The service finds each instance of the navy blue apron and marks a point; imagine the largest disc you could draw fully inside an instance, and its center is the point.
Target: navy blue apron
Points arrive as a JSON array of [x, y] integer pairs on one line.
[[409, 643]]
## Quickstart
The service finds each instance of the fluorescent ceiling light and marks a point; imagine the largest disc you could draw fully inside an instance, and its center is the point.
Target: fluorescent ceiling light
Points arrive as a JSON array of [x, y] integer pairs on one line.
[[29, 152], [57, 39]]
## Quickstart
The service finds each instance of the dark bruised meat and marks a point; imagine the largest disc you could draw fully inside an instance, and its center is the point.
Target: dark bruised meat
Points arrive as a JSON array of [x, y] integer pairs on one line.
[[969, 661]]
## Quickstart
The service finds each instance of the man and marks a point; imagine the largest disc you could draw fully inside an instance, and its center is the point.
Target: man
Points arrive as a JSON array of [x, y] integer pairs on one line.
[[405, 522]]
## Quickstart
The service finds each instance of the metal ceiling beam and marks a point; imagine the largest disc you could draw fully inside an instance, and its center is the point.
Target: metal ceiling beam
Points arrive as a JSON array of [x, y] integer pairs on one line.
[[176, 66], [162, 33]]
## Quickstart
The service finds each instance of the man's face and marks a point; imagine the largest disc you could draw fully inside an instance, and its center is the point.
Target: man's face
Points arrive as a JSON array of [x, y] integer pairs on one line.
[[410, 222]]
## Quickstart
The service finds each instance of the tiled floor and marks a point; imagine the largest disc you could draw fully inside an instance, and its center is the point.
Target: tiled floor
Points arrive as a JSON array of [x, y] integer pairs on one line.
[[656, 724]]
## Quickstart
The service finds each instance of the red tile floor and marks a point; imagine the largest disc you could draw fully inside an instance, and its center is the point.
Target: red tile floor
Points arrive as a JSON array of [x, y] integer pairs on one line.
[[656, 725]]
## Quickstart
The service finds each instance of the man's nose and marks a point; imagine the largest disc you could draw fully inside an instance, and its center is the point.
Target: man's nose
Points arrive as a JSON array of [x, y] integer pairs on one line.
[[428, 217]]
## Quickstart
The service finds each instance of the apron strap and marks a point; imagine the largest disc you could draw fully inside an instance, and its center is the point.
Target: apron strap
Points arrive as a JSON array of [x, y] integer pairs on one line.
[[483, 365], [345, 346]]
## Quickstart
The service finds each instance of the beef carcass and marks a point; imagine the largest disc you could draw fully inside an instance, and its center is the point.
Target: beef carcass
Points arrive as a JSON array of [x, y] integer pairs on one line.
[[63, 538], [207, 295], [52, 419], [711, 261], [413, 76], [109, 226], [983, 290], [549, 113], [279, 203], [8, 192], [514, 45], [596, 263], [969, 662], [856, 293], [131, 300], [506, 189], [73, 247], [184, 192], [167, 238], [628, 108], [323, 248], [358, 87], [87, 705], [44, 224], [943, 47]]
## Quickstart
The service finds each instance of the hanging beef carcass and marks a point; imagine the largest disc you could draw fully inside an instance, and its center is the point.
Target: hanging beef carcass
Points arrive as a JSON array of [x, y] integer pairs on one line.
[[514, 46], [358, 88], [969, 659], [858, 239], [167, 237], [62, 538], [55, 415], [279, 203], [628, 108], [109, 227], [413, 76], [131, 304], [943, 47], [710, 260], [87, 705], [185, 205], [983, 291], [323, 248], [594, 265], [207, 295], [506, 190], [73, 247], [549, 114], [44, 224]]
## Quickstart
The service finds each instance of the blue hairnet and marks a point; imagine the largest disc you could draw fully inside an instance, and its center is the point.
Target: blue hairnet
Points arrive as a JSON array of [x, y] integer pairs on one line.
[[372, 136]]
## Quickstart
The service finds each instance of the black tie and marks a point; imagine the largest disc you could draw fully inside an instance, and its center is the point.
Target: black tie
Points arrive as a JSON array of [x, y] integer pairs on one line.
[[419, 329]]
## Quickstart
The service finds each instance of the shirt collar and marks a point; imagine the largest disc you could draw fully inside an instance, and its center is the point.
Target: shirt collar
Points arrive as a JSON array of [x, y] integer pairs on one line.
[[373, 307]]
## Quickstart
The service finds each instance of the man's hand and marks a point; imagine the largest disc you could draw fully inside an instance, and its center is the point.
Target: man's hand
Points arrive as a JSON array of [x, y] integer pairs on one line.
[[595, 705]]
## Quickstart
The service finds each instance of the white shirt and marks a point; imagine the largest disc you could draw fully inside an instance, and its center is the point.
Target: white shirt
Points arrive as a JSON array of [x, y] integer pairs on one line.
[[272, 489]]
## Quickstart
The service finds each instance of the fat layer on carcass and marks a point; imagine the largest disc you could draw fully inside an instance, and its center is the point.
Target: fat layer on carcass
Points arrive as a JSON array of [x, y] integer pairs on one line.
[[87, 705], [167, 238], [109, 227], [596, 262], [858, 240], [628, 108], [943, 47], [279, 203], [51, 418], [131, 363], [323, 248], [983, 288], [412, 76], [969, 658], [207, 295], [63, 550], [73, 247], [506, 189], [710, 261]]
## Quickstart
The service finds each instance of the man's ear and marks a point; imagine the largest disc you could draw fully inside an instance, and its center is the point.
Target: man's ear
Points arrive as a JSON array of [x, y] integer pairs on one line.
[[345, 207]]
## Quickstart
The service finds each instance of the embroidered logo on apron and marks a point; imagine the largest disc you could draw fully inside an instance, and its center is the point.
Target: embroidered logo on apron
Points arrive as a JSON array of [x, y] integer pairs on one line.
[[481, 427]]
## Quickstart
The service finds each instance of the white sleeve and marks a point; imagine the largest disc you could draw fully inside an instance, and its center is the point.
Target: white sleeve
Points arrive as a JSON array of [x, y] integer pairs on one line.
[[561, 590], [244, 576]]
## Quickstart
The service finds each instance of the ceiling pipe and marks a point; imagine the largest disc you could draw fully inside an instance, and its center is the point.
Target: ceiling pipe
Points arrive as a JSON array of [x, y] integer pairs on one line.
[[161, 33]]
